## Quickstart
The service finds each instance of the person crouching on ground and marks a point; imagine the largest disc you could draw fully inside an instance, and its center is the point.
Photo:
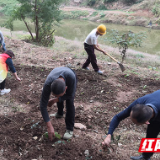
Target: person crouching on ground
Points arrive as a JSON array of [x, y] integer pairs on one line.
[[144, 110], [61, 83], [90, 44], [5, 62]]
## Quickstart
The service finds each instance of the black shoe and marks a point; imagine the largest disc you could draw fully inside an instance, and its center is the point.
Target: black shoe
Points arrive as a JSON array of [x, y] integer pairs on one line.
[[139, 158]]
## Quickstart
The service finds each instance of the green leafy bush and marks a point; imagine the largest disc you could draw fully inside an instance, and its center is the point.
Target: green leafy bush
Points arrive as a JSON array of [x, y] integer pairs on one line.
[[129, 1], [6, 7], [91, 2], [73, 14], [126, 40], [94, 14], [102, 7], [156, 10], [109, 1]]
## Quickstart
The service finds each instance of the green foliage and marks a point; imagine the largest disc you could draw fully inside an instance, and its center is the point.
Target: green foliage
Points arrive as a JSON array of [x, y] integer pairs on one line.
[[129, 1], [6, 7], [102, 14], [102, 7], [57, 135], [46, 134], [91, 2], [126, 40], [42, 14], [156, 10], [94, 14], [139, 56], [109, 1], [73, 14]]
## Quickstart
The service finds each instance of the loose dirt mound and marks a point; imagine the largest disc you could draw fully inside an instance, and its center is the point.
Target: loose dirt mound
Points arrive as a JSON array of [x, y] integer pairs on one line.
[[22, 128]]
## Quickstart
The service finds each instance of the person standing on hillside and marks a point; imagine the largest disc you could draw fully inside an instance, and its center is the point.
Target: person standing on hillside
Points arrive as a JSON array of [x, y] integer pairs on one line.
[[90, 44], [5, 62], [61, 83], [2, 44], [144, 110]]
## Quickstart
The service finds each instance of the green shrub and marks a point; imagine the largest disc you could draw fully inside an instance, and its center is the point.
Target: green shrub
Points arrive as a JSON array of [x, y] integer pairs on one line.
[[73, 14], [102, 15], [129, 1], [156, 10], [94, 14], [91, 2], [102, 7], [109, 1]]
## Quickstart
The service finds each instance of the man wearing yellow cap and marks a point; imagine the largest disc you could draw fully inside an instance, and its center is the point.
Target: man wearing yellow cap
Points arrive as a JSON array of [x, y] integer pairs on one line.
[[90, 44]]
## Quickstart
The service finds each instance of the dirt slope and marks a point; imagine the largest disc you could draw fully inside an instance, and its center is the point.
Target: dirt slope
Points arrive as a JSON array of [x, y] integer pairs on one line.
[[98, 99]]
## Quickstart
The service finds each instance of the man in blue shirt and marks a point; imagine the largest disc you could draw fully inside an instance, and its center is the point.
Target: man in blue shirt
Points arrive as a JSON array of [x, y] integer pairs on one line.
[[144, 110]]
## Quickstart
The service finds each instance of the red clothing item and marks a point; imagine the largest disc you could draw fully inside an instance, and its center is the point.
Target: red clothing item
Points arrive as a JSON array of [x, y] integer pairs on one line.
[[3, 66]]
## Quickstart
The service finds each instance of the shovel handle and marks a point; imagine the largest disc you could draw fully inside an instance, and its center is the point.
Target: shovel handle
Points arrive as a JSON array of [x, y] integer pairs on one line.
[[111, 57]]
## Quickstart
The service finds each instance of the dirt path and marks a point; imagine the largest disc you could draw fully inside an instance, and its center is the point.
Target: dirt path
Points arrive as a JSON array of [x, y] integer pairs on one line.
[[74, 8]]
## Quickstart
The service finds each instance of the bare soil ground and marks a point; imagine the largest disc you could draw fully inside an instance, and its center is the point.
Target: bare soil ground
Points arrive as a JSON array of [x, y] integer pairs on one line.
[[98, 99]]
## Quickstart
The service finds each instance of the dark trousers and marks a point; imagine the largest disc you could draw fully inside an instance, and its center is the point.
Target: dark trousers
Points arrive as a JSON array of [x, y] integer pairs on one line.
[[91, 57], [2, 85], [153, 130], [70, 112]]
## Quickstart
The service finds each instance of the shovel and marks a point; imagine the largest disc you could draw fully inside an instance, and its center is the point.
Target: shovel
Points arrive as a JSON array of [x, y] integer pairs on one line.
[[120, 64]]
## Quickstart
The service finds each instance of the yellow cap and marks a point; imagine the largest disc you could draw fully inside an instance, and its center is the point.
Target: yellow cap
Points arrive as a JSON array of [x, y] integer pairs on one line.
[[101, 29]]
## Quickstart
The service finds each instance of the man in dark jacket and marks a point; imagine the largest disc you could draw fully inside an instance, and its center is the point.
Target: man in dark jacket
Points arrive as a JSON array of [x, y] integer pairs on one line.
[[144, 110], [61, 82]]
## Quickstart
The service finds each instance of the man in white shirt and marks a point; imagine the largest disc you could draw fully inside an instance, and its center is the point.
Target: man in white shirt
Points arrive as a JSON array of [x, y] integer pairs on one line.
[[90, 44]]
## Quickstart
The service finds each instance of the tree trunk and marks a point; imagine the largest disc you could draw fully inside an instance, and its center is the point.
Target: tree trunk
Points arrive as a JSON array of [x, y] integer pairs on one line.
[[36, 23], [28, 28]]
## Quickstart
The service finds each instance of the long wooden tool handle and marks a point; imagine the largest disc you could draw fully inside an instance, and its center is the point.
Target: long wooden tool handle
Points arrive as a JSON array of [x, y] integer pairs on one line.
[[111, 57]]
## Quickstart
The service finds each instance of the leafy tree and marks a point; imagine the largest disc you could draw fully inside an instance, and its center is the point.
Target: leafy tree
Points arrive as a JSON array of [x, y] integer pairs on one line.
[[156, 11], [42, 14], [6, 7], [126, 40]]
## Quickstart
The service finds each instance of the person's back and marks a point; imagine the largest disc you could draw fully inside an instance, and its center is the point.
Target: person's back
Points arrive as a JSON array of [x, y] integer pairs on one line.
[[91, 39]]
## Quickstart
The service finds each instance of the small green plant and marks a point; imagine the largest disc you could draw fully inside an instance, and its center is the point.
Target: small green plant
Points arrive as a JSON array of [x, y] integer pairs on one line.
[[115, 138], [144, 87], [152, 68], [139, 56], [35, 125], [46, 134], [55, 133], [125, 40], [9, 75], [94, 14], [127, 75], [102, 15]]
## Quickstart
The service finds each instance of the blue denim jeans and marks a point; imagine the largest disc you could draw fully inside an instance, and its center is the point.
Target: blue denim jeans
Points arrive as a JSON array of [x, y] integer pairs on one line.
[[3, 46]]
